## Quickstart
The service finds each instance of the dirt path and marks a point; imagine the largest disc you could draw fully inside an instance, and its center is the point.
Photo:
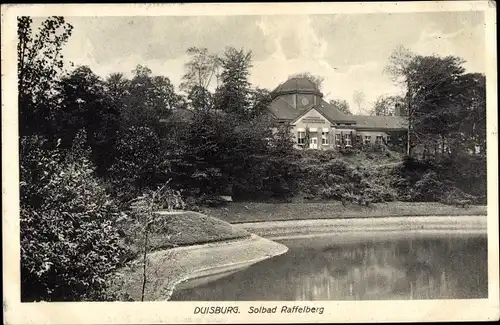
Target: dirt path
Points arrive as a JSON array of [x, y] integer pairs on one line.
[[367, 227]]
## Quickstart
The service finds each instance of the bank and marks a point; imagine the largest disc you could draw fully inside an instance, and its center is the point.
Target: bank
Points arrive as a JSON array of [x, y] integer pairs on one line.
[[245, 212], [197, 248]]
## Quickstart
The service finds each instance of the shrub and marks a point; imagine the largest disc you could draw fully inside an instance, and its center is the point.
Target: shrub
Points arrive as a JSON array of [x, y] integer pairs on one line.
[[69, 241], [138, 165], [374, 147]]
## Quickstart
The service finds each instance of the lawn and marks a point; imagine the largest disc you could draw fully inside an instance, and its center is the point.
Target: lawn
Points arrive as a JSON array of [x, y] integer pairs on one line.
[[181, 229], [239, 212]]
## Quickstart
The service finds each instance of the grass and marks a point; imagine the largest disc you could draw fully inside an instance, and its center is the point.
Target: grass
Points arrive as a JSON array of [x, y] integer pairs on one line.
[[239, 212], [167, 267], [180, 229]]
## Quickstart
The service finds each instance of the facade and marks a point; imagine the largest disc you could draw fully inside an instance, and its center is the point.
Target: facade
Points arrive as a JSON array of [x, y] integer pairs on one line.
[[316, 124]]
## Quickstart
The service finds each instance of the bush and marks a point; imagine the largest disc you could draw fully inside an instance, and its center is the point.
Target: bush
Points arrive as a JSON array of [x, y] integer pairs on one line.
[[374, 148], [69, 241], [432, 179], [139, 165]]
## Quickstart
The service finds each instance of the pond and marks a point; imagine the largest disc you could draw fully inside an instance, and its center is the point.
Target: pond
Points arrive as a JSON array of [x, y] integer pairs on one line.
[[321, 268]]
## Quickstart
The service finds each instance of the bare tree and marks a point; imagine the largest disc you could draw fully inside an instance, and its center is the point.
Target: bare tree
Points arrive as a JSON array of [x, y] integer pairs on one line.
[[359, 98], [144, 208], [316, 80], [200, 69]]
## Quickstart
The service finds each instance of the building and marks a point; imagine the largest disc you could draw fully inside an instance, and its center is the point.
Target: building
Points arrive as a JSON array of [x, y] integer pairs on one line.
[[316, 124]]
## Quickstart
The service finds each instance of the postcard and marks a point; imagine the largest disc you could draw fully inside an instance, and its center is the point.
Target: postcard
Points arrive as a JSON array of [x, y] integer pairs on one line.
[[250, 162]]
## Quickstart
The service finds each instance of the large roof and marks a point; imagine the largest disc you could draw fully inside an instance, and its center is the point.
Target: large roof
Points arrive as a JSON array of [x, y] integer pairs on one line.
[[297, 85], [282, 110], [380, 122]]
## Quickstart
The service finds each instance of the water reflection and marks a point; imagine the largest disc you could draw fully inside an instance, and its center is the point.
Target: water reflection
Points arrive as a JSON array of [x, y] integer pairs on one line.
[[314, 269]]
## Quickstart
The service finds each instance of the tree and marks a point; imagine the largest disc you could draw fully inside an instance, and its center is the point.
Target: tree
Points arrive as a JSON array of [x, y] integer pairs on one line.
[[69, 242], [144, 208], [359, 98], [341, 105], [139, 165], [232, 95], [200, 69], [200, 98], [150, 98], [117, 88], [385, 105], [316, 80], [260, 99], [474, 103], [84, 104], [39, 65], [432, 94]]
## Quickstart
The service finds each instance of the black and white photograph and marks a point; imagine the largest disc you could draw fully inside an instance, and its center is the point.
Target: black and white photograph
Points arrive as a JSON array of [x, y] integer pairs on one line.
[[249, 165]]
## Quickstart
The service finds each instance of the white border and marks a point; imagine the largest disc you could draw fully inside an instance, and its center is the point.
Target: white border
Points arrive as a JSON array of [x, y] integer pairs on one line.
[[182, 312]]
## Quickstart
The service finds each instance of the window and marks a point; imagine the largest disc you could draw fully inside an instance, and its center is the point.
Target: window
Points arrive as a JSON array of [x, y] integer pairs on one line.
[[301, 138], [358, 139], [347, 140], [338, 140], [368, 139], [324, 138], [379, 139]]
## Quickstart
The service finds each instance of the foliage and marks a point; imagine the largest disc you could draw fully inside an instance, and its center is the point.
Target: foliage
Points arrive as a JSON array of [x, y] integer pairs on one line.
[[200, 69], [150, 98], [385, 105], [316, 80], [232, 96], [138, 165], [341, 105], [200, 98], [144, 210], [441, 179], [39, 64], [84, 104], [337, 180], [373, 147], [260, 99], [359, 98], [69, 243], [441, 102]]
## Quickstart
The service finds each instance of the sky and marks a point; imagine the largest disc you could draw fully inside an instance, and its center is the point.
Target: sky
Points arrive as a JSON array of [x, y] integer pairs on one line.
[[348, 50]]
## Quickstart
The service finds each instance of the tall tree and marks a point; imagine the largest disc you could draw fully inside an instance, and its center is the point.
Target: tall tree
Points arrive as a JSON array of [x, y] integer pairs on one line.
[[434, 95], [233, 94], [260, 99], [117, 88], [316, 80], [385, 105], [474, 104], [150, 98], [200, 98], [359, 98], [341, 105], [201, 69], [39, 65], [84, 104]]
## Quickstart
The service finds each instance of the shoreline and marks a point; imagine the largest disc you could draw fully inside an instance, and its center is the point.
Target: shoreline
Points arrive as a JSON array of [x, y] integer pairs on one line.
[[169, 268], [223, 268], [247, 212], [366, 227], [186, 266], [239, 223]]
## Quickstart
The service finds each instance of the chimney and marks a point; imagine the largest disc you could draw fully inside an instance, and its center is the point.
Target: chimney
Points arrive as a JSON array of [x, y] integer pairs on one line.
[[399, 109]]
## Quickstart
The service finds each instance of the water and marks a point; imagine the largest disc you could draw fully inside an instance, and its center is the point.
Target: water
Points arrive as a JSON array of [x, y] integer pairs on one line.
[[322, 269]]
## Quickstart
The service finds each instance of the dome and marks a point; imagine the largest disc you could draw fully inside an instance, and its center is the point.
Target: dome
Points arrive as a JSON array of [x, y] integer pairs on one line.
[[297, 86]]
